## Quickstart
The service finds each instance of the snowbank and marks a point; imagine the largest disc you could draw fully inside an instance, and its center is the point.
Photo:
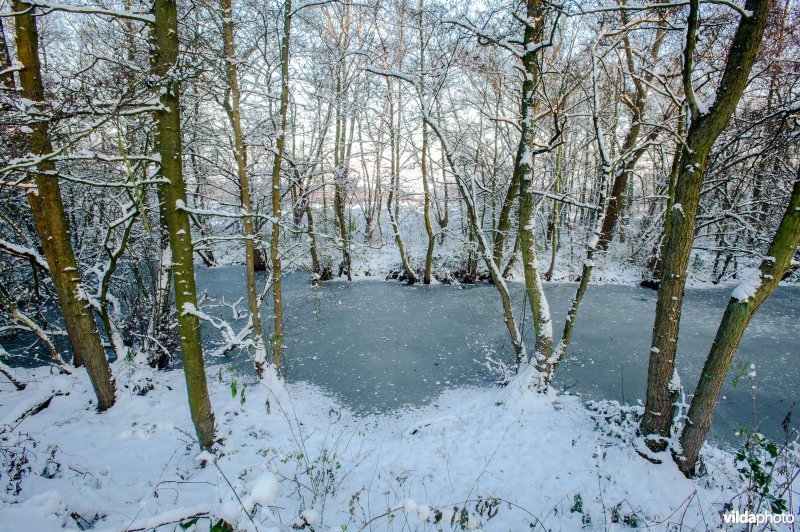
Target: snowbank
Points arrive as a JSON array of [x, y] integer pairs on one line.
[[473, 459]]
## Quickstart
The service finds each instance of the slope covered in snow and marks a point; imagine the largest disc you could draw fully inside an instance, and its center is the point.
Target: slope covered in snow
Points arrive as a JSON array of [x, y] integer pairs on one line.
[[291, 456]]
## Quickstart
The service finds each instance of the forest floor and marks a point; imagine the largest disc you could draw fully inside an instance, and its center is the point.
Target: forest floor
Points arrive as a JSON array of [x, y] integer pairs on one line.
[[291, 456]]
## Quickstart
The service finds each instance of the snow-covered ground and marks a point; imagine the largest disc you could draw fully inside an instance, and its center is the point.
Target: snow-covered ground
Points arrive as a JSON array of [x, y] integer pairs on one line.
[[291, 456]]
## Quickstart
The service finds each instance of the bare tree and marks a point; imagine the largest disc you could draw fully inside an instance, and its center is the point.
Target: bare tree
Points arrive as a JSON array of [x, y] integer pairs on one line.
[[51, 221], [706, 122], [165, 53]]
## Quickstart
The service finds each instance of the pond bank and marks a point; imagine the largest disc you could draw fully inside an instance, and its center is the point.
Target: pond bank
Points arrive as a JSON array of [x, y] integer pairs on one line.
[[294, 454]]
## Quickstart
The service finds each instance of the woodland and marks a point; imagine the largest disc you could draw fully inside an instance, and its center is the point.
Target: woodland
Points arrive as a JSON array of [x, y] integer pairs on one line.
[[309, 146]]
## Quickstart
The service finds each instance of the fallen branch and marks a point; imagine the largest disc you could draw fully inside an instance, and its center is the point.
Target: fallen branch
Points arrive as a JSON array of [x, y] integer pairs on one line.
[[5, 370]]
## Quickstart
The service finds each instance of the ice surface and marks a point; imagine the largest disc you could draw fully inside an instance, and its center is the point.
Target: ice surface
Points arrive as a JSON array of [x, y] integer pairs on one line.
[[381, 345]]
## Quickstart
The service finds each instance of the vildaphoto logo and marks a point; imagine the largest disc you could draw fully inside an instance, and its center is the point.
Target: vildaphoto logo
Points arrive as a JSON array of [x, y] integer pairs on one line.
[[757, 518]]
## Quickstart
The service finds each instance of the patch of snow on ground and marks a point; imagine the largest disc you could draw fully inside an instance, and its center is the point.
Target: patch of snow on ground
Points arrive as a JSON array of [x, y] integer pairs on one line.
[[475, 457]]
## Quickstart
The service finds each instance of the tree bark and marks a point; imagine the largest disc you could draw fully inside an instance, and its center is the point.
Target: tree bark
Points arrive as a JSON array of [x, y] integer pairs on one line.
[[275, 257], [234, 116], [394, 189], [504, 220], [703, 131], [740, 310], [540, 314], [164, 57], [52, 225], [426, 279], [341, 165]]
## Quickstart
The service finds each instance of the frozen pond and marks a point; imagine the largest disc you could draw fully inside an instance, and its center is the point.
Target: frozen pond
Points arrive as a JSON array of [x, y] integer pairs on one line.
[[380, 345]]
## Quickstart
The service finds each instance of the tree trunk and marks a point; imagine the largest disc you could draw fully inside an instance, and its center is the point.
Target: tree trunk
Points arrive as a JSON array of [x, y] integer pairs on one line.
[[513, 258], [394, 189], [553, 227], [163, 320], [702, 133], [540, 313], [341, 168], [52, 226], [426, 279], [504, 220], [443, 214], [746, 301], [658, 261], [234, 115], [315, 266], [168, 120], [7, 78], [275, 257]]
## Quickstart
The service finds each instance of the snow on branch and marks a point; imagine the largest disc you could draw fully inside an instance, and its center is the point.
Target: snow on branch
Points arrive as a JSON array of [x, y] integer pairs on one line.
[[231, 338], [181, 206], [485, 38], [24, 253], [649, 6], [563, 198], [92, 10]]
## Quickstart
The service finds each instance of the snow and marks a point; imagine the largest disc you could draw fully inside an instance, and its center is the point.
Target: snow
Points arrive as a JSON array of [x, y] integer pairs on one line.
[[204, 457], [307, 459], [25, 252], [704, 106], [311, 517], [264, 490], [675, 381], [748, 287]]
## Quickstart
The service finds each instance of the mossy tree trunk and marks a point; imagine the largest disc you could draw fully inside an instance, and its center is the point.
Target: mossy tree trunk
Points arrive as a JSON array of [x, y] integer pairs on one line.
[[52, 225], [504, 219], [703, 131], [540, 314], [164, 57], [740, 310]]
